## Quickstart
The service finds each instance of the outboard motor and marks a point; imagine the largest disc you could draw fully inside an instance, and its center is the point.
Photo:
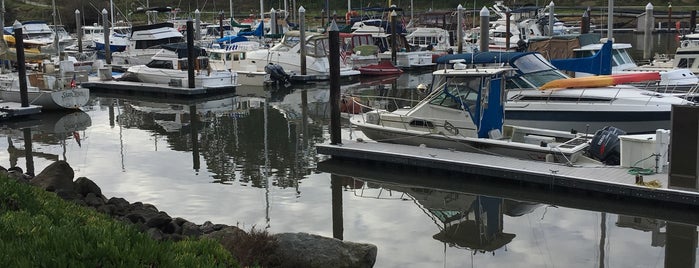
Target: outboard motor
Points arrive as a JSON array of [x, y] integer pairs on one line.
[[277, 73], [605, 145]]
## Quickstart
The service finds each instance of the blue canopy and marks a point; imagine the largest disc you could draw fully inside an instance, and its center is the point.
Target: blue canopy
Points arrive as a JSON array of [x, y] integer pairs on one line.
[[231, 39], [599, 64], [259, 31], [482, 57]]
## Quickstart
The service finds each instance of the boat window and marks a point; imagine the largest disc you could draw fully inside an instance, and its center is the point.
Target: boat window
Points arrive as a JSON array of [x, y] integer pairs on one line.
[[160, 64], [625, 56], [421, 123], [215, 56], [319, 48], [532, 63], [685, 63]]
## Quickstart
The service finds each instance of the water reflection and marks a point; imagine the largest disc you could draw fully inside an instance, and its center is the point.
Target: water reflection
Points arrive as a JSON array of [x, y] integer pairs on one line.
[[470, 211]]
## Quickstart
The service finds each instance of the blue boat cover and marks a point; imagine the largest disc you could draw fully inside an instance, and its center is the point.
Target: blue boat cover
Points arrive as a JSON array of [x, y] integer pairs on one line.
[[482, 57], [259, 31], [599, 64], [231, 39]]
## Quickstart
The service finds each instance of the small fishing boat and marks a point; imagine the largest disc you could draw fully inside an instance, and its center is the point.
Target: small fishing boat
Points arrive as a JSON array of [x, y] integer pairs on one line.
[[465, 111], [384, 67], [51, 90]]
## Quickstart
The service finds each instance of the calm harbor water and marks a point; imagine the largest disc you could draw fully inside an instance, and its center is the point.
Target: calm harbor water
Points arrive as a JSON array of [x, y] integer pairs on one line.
[[249, 160]]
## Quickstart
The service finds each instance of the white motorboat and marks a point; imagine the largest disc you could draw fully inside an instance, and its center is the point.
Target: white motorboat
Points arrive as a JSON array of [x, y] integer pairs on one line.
[[582, 108], [230, 57], [465, 112], [405, 58], [286, 54], [672, 77], [169, 67], [145, 43]]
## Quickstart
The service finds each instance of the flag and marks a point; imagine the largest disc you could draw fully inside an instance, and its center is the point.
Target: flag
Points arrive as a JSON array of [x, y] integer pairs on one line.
[[73, 82], [76, 136]]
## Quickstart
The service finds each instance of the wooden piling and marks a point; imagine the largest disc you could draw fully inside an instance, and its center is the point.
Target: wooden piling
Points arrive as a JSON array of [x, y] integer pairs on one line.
[[334, 39], [190, 54], [21, 64]]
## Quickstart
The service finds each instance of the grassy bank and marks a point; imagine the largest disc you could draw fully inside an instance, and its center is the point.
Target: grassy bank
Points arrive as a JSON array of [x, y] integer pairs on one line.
[[38, 229]]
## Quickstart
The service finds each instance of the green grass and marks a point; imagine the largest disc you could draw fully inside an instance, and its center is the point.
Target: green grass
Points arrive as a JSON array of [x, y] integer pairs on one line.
[[38, 229]]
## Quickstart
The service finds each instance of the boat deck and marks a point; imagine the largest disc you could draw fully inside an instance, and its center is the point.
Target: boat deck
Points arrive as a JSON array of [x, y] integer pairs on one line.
[[613, 180]]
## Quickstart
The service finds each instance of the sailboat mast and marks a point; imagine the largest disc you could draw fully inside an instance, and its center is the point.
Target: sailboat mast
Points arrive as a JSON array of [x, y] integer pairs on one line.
[[55, 30], [111, 11]]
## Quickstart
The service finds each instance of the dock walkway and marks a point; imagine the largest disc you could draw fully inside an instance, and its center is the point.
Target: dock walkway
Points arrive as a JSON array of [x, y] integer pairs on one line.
[[613, 180]]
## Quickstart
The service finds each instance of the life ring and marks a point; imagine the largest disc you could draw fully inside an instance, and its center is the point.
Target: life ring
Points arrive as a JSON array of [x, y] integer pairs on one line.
[[349, 14], [440, 39]]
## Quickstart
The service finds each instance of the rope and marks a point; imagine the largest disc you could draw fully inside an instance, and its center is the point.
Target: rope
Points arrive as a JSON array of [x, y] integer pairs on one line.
[[635, 170]]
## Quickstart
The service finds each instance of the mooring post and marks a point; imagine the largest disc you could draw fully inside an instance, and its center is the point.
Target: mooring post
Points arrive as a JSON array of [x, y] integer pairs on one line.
[[107, 46], [197, 24], [394, 40], [79, 31], [485, 24], [220, 23], [648, 29], [693, 21], [273, 21], [302, 37], [551, 17], [21, 66], [459, 29], [190, 54], [334, 39], [507, 30], [669, 16], [585, 23]]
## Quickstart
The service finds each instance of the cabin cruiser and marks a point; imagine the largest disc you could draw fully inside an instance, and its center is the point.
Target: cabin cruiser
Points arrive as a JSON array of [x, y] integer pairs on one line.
[[580, 107], [286, 54], [170, 67], [145, 42], [54, 89], [405, 57]]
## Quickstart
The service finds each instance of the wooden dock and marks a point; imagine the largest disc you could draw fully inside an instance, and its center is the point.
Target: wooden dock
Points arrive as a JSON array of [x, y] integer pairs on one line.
[[613, 180]]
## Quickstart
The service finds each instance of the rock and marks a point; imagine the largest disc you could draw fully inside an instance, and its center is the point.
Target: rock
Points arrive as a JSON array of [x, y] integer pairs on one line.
[[307, 250], [229, 236], [207, 227], [155, 234], [85, 186], [56, 177], [190, 229], [93, 200], [171, 228], [157, 220]]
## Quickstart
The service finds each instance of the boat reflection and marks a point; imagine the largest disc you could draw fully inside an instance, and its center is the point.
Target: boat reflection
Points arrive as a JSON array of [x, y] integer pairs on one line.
[[211, 129]]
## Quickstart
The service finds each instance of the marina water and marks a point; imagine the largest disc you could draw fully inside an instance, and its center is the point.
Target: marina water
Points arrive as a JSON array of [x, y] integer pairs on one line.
[[249, 160]]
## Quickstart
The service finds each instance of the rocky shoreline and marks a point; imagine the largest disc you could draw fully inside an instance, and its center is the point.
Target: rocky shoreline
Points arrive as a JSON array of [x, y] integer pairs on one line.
[[285, 250]]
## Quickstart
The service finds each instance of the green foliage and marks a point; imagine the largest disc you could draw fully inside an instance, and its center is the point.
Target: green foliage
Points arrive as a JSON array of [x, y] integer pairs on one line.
[[38, 229]]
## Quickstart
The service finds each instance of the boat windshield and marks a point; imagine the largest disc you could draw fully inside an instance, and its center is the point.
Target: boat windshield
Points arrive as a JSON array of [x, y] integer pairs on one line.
[[459, 93], [536, 70]]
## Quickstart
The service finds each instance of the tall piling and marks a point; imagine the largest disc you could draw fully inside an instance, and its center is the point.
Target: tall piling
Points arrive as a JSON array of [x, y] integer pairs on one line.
[[79, 30], [647, 30], [484, 35], [507, 30], [693, 21], [220, 24], [394, 39], [551, 18], [610, 20], [197, 24], [190, 54], [21, 64], [459, 29], [107, 45], [302, 37], [334, 39], [585, 23]]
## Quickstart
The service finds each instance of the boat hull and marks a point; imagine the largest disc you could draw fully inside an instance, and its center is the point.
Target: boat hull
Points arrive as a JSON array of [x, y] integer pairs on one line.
[[52, 100]]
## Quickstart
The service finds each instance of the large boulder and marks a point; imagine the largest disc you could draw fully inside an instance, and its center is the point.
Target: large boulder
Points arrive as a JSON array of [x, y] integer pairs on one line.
[[57, 177], [308, 250]]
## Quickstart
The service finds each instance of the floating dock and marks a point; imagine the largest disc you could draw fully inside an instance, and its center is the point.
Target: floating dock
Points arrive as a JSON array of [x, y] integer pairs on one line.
[[159, 89], [613, 180], [10, 110]]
